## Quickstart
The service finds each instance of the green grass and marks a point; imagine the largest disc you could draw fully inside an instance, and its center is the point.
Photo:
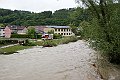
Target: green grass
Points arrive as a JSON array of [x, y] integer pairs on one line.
[[55, 42], [12, 49]]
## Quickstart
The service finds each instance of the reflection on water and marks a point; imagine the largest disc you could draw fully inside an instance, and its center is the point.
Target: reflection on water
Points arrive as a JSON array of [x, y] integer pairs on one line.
[[71, 61]]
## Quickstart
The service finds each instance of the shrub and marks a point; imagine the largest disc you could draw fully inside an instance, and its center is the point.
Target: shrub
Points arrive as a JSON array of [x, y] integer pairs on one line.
[[26, 36], [55, 42], [49, 43], [57, 36], [8, 41]]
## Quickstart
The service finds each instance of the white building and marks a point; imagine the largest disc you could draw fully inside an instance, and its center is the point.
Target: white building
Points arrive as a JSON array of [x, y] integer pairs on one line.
[[2, 32], [63, 30]]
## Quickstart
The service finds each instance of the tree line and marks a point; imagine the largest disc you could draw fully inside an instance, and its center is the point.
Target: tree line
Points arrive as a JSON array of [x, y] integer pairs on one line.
[[26, 18]]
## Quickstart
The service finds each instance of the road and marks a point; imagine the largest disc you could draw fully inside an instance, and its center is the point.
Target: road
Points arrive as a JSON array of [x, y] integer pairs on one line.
[[73, 61]]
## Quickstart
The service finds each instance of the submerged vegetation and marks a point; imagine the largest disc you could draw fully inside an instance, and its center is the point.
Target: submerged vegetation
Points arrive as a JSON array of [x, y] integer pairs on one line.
[[12, 49]]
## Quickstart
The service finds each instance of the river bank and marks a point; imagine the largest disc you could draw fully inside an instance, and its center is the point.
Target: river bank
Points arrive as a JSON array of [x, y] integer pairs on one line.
[[108, 70]]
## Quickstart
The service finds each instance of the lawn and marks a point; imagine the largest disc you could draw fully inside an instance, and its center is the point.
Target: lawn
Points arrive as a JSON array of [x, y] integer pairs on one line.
[[12, 49]]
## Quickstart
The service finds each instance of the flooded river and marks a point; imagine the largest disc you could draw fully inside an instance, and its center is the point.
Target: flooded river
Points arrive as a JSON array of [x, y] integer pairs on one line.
[[73, 61]]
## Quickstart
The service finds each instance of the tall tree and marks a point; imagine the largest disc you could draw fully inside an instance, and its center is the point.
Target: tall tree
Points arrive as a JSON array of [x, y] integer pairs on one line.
[[107, 14]]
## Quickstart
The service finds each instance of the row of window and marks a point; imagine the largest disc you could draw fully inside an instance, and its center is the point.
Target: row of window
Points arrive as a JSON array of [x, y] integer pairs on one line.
[[62, 29], [2, 30], [65, 33]]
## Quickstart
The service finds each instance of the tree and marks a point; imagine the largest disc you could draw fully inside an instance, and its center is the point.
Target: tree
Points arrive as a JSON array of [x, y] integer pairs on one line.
[[31, 32], [104, 10]]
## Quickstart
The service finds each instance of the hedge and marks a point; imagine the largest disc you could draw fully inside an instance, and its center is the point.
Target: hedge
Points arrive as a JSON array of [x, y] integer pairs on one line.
[[25, 36]]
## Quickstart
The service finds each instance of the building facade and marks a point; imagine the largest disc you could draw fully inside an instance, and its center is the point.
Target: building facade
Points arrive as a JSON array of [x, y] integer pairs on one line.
[[8, 32], [2, 32], [23, 30], [62, 30]]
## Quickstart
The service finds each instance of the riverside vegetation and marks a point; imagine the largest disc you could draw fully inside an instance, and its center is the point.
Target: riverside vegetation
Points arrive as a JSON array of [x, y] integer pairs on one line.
[[44, 43], [103, 28]]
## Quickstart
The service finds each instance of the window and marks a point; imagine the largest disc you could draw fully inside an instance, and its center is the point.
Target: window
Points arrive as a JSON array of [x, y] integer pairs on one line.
[[64, 33], [67, 29], [55, 29], [69, 33], [61, 33]]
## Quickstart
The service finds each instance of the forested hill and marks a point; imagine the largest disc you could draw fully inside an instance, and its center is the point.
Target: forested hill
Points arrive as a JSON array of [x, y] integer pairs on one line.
[[26, 18]]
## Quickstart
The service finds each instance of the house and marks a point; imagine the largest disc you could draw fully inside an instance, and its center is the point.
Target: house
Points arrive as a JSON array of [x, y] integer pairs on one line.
[[22, 30], [38, 29], [48, 29], [2, 32], [14, 29], [63, 30], [7, 32], [18, 29]]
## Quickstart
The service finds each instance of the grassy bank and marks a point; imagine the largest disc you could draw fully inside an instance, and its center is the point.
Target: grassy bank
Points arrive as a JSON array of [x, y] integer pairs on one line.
[[55, 42], [12, 49], [44, 43]]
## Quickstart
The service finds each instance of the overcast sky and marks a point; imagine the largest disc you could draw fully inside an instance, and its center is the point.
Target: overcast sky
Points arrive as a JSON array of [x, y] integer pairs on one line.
[[37, 5]]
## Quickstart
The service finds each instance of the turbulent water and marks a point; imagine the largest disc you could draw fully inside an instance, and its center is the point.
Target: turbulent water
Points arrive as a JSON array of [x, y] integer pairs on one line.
[[73, 61]]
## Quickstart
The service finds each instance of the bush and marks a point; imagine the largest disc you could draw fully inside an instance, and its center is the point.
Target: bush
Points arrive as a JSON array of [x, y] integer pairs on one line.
[[51, 43], [20, 36], [108, 46], [8, 41], [57, 36], [26, 36]]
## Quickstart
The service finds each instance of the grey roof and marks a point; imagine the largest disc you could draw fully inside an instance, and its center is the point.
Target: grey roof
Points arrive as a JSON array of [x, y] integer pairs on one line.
[[58, 26]]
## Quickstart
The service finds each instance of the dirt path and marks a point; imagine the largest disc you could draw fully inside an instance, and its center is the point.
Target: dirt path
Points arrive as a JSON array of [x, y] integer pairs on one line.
[[71, 61]]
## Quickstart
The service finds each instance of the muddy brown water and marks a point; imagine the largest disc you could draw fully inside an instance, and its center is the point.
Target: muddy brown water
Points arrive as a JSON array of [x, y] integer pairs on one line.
[[71, 61]]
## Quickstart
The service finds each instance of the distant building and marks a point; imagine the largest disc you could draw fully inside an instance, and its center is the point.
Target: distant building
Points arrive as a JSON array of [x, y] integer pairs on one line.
[[39, 29], [48, 29], [14, 29], [18, 29], [63, 30], [22, 30], [2, 32], [7, 32]]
